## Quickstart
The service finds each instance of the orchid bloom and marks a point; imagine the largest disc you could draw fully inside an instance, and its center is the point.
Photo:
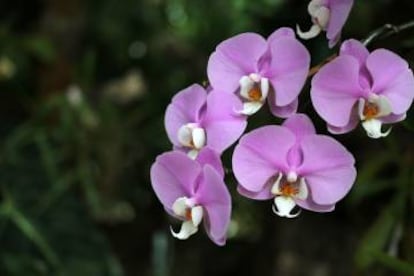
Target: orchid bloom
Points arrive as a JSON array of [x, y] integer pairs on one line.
[[197, 118], [358, 86], [193, 191], [293, 165], [329, 16], [257, 69]]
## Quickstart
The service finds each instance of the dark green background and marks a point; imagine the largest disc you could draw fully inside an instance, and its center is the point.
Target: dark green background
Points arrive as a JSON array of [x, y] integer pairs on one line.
[[75, 196]]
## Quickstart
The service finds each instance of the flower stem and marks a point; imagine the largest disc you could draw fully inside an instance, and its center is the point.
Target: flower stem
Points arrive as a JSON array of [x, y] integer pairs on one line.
[[386, 31]]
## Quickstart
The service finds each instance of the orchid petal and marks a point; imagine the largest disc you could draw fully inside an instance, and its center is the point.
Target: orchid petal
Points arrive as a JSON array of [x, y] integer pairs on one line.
[[173, 175], [244, 49], [393, 118], [335, 90], [309, 204], [281, 32], [353, 122], [295, 155], [339, 12], [223, 73], [356, 49], [235, 57], [223, 126], [392, 78], [327, 167], [210, 157], [300, 125], [264, 194], [185, 108], [282, 111], [288, 69], [215, 198], [261, 154]]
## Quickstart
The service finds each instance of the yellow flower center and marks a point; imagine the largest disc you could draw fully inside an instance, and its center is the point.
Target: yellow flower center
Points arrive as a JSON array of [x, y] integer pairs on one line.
[[289, 189], [188, 215], [255, 94], [370, 111]]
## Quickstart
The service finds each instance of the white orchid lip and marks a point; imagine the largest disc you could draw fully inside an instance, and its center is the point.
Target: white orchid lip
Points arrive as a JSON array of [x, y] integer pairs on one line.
[[283, 207], [286, 189], [192, 136], [370, 111], [320, 17], [190, 213], [373, 129], [253, 90]]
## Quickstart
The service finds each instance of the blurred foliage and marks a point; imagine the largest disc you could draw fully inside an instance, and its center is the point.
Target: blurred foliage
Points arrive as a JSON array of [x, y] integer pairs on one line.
[[84, 86]]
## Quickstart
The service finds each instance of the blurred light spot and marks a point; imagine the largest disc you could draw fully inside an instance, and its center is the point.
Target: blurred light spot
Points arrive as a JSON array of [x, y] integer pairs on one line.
[[176, 13], [137, 49], [89, 118], [160, 254], [233, 229], [127, 88], [287, 262], [74, 95], [7, 68], [116, 212]]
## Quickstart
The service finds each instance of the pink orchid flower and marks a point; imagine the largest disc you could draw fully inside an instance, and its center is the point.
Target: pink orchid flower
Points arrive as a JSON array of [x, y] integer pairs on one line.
[[193, 191], [197, 118], [358, 86], [256, 69], [329, 16], [293, 165]]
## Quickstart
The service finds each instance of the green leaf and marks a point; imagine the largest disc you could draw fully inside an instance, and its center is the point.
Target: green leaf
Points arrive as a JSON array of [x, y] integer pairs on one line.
[[395, 264], [41, 47], [30, 231], [15, 264], [375, 240], [367, 183]]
